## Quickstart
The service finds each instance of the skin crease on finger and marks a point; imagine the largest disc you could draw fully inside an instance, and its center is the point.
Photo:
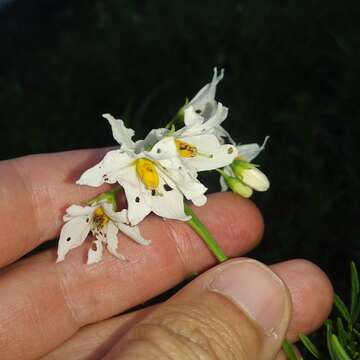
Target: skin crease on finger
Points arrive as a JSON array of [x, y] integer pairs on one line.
[[310, 290], [52, 301]]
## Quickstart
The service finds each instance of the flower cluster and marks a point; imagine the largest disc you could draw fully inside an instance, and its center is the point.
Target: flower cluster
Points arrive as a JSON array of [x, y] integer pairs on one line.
[[159, 172]]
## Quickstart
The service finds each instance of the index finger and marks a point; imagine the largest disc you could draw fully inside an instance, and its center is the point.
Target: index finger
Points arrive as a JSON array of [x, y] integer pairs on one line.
[[34, 192]]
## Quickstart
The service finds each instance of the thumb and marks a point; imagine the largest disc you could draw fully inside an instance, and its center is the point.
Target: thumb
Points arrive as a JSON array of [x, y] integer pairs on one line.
[[237, 310]]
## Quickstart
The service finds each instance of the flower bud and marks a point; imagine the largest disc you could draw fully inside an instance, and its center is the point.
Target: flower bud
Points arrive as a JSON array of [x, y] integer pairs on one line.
[[250, 175], [256, 179], [237, 186]]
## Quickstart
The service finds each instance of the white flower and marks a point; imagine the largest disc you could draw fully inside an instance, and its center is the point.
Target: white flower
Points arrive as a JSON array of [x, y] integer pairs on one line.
[[153, 180], [204, 104], [243, 170], [197, 144], [103, 223], [249, 152]]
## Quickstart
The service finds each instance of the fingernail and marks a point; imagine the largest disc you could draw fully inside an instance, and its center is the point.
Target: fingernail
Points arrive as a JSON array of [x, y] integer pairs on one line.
[[257, 290]]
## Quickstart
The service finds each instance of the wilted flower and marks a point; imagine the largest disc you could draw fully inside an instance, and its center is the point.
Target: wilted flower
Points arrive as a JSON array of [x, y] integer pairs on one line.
[[204, 104], [103, 222]]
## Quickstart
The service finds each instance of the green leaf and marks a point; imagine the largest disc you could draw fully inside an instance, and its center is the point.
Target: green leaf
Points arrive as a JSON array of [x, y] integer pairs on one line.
[[354, 293], [310, 346], [337, 349], [343, 336], [289, 351], [343, 310], [328, 324]]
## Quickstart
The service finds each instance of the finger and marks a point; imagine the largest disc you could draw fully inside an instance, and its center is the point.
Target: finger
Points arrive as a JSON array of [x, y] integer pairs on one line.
[[34, 192], [308, 313], [52, 301], [94, 341], [311, 292], [238, 309]]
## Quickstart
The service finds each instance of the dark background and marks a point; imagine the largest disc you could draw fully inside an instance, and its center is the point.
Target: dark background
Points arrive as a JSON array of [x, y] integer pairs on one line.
[[292, 71]]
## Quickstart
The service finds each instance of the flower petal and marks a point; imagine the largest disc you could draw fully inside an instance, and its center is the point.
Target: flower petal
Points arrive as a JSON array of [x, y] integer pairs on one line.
[[151, 138], [121, 216], [72, 235], [189, 185], [192, 118], [163, 149], [200, 200], [250, 151], [212, 125], [112, 240], [133, 233], [77, 210], [95, 252], [136, 195], [212, 155], [204, 100], [107, 170], [121, 133], [170, 204]]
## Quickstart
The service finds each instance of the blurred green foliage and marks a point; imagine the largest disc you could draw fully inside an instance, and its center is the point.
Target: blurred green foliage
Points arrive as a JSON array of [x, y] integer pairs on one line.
[[292, 71]]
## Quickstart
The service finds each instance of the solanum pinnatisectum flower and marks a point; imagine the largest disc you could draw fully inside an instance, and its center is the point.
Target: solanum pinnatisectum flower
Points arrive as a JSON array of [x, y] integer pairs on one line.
[[104, 223], [197, 145], [153, 180], [242, 176], [204, 104]]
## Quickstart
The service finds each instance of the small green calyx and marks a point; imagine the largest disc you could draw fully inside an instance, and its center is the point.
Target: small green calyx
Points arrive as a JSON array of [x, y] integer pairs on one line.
[[178, 118], [238, 166], [236, 185], [107, 196]]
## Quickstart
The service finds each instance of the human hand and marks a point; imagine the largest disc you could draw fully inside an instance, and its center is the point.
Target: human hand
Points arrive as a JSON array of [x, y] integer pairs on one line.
[[63, 311]]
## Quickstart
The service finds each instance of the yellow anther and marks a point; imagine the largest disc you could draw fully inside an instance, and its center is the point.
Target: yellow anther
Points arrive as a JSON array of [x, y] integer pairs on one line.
[[147, 173], [100, 219], [186, 150]]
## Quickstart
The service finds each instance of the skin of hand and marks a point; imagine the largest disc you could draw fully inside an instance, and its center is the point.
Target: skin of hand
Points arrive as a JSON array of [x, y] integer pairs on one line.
[[240, 309]]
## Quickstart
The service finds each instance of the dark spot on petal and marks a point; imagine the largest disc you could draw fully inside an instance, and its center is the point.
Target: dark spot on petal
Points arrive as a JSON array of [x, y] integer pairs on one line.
[[68, 239], [230, 150], [153, 192], [158, 151], [137, 199], [87, 220], [93, 246], [167, 187], [211, 156], [180, 168], [198, 111], [105, 235]]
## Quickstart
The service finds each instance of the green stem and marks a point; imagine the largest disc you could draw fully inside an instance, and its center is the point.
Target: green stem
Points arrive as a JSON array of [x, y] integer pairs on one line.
[[203, 232], [179, 117]]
